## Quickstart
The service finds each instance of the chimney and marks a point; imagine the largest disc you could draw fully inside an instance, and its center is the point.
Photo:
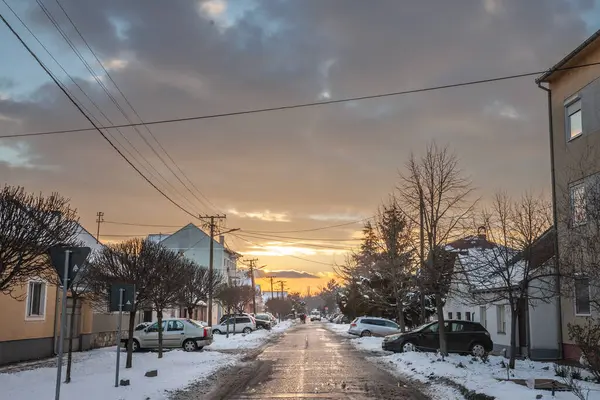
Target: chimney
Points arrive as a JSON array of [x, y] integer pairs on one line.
[[222, 240], [481, 233]]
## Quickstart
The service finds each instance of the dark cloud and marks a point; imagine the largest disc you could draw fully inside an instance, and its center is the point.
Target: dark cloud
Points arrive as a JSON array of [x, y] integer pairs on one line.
[[286, 274], [336, 159]]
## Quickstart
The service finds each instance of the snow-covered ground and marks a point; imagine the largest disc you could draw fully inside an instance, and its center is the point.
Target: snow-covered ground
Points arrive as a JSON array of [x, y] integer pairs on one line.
[[93, 374], [488, 378], [341, 329], [250, 341], [92, 378]]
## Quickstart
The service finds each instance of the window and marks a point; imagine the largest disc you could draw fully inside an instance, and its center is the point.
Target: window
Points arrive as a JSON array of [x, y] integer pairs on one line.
[[36, 300], [391, 324], [175, 326], [154, 327], [501, 318], [458, 327], [449, 315], [578, 203], [468, 316], [458, 315], [242, 320], [582, 296], [573, 119], [483, 316]]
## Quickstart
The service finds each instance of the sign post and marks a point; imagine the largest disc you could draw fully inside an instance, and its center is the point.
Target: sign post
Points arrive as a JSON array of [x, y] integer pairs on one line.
[[67, 262], [122, 297]]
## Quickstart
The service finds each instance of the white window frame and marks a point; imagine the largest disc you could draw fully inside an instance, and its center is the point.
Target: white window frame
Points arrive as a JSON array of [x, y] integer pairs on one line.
[[570, 102], [43, 297], [483, 316], [589, 314], [459, 315], [572, 188], [501, 319]]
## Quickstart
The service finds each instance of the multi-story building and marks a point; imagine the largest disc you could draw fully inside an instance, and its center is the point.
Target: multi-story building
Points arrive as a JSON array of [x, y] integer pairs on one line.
[[573, 91]]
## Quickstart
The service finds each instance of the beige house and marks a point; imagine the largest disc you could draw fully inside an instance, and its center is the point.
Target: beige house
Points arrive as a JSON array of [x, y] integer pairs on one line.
[[573, 90], [31, 318]]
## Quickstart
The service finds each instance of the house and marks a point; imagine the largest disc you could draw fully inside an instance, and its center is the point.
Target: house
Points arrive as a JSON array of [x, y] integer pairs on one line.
[[574, 131], [478, 293], [32, 316], [193, 243]]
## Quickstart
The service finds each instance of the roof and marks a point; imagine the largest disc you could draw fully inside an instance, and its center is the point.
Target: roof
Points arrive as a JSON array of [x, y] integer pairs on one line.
[[568, 57], [157, 237]]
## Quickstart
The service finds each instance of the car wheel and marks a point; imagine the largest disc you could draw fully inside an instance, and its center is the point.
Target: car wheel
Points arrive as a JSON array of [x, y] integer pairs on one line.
[[135, 346], [365, 333], [477, 350], [216, 332], [247, 330], [408, 347], [259, 327], [190, 345]]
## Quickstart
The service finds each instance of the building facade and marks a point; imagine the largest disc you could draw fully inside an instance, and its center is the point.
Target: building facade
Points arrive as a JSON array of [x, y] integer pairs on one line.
[[574, 126]]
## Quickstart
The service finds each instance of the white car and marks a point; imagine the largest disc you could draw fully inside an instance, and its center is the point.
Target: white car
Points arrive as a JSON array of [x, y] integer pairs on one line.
[[243, 324], [186, 333], [373, 326]]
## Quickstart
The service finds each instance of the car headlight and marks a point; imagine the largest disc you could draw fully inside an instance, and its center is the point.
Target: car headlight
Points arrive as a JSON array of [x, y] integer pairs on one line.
[[392, 338]]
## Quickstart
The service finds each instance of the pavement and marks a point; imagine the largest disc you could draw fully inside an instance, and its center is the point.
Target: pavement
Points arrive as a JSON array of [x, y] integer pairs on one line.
[[311, 362]]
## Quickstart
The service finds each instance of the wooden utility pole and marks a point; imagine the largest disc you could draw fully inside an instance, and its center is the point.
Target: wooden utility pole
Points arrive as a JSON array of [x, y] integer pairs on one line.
[[251, 266], [281, 283], [271, 278], [212, 219], [99, 220], [422, 252]]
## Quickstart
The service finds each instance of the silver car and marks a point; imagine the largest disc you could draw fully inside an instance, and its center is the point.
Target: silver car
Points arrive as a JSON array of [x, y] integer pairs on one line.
[[177, 332], [373, 326]]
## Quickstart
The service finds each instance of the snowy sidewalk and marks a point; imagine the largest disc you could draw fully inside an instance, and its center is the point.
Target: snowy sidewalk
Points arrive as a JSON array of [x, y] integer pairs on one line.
[[487, 378], [93, 373]]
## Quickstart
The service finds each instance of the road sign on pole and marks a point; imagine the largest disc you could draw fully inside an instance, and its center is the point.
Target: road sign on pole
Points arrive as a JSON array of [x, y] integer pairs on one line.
[[67, 261], [115, 302], [77, 256], [121, 297]]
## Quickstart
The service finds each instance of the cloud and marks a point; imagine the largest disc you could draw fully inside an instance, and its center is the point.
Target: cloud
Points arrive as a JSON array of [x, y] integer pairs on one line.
[[286, 274], [261, 215], [115, 64], [214, 8], [336, 217], [503, 110]]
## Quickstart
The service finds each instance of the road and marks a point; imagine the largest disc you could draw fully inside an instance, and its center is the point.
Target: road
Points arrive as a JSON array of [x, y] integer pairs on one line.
[[311, 362]]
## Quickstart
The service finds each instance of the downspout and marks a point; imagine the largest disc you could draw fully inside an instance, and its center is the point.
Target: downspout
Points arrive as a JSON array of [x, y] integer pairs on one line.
[[555, 220]]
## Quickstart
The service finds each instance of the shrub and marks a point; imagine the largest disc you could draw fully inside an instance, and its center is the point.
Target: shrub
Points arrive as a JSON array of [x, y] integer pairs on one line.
[[587, 337], [576, 374], [561, 371]]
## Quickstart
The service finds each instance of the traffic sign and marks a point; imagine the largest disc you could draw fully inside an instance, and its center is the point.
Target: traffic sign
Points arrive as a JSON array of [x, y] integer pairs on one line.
[[128, 296], [76, 259]]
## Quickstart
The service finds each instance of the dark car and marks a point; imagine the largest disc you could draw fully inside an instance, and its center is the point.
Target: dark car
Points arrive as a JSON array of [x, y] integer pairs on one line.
[[263, 321], [462, 337]]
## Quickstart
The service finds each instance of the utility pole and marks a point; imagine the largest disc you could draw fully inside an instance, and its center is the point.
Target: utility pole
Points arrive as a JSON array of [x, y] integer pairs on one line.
[[99, 220], [211, 256], [271, 278], [281, 283], [251, 266]]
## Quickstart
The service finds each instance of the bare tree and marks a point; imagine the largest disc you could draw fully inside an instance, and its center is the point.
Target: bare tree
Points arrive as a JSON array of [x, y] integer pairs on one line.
[[517, 267], [435, 190], [196, 285], [131, 262], [29, 225], [168, 272]]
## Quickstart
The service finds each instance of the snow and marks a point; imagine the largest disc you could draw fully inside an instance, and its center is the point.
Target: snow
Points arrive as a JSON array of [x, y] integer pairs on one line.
[[341, 329], [488, 378], [252, 340], [93, 376]]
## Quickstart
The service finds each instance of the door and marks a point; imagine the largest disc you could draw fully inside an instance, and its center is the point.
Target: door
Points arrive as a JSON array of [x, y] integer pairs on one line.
[[429, 338], [175, 333], [150, 337], [458, 337], [522, 327], [241, 323]]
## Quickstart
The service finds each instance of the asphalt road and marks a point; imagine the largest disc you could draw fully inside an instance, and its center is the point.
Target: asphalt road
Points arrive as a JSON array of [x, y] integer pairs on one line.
[[311, 362]]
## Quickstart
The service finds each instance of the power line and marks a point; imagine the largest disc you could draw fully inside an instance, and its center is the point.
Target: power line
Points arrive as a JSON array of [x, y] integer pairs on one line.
[[306, 105], [268, 236], [139, 117], [285, 255], [66, 93], [299, 242], [316, 229], [113, 100], [146, 225]]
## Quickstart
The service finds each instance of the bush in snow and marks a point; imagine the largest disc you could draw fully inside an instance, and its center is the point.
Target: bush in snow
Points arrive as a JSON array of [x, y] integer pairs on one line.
[[561, 370], [587, 337]]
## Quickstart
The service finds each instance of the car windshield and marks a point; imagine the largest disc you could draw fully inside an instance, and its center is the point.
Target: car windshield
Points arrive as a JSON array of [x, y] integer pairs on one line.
[[263, 317], [195, 323], [421, 327]]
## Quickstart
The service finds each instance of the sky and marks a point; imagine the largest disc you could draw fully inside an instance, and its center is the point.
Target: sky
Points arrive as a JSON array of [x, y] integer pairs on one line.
[[279, 176]]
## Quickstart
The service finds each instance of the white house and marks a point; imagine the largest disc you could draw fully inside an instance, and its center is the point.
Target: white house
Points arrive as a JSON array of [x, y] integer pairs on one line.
[[477, 294], [194, 244]]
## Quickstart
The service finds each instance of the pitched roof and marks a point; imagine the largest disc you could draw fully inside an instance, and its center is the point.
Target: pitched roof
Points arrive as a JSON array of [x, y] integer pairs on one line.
[[545, 77]]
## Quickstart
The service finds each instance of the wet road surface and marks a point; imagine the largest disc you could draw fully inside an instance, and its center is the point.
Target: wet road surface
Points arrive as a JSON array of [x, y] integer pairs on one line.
[[311, 362]]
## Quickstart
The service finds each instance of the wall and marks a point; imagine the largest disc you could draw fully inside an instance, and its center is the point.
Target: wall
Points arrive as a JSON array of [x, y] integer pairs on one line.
[[543, 320], [577, 158]]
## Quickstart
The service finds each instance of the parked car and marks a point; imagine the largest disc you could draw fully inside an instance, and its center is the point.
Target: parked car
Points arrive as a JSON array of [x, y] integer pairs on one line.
[[263, 321], [273, 319], [177, 332], [373, 326], [315, 316], [243, 324], [227, 316], [462, 337]]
